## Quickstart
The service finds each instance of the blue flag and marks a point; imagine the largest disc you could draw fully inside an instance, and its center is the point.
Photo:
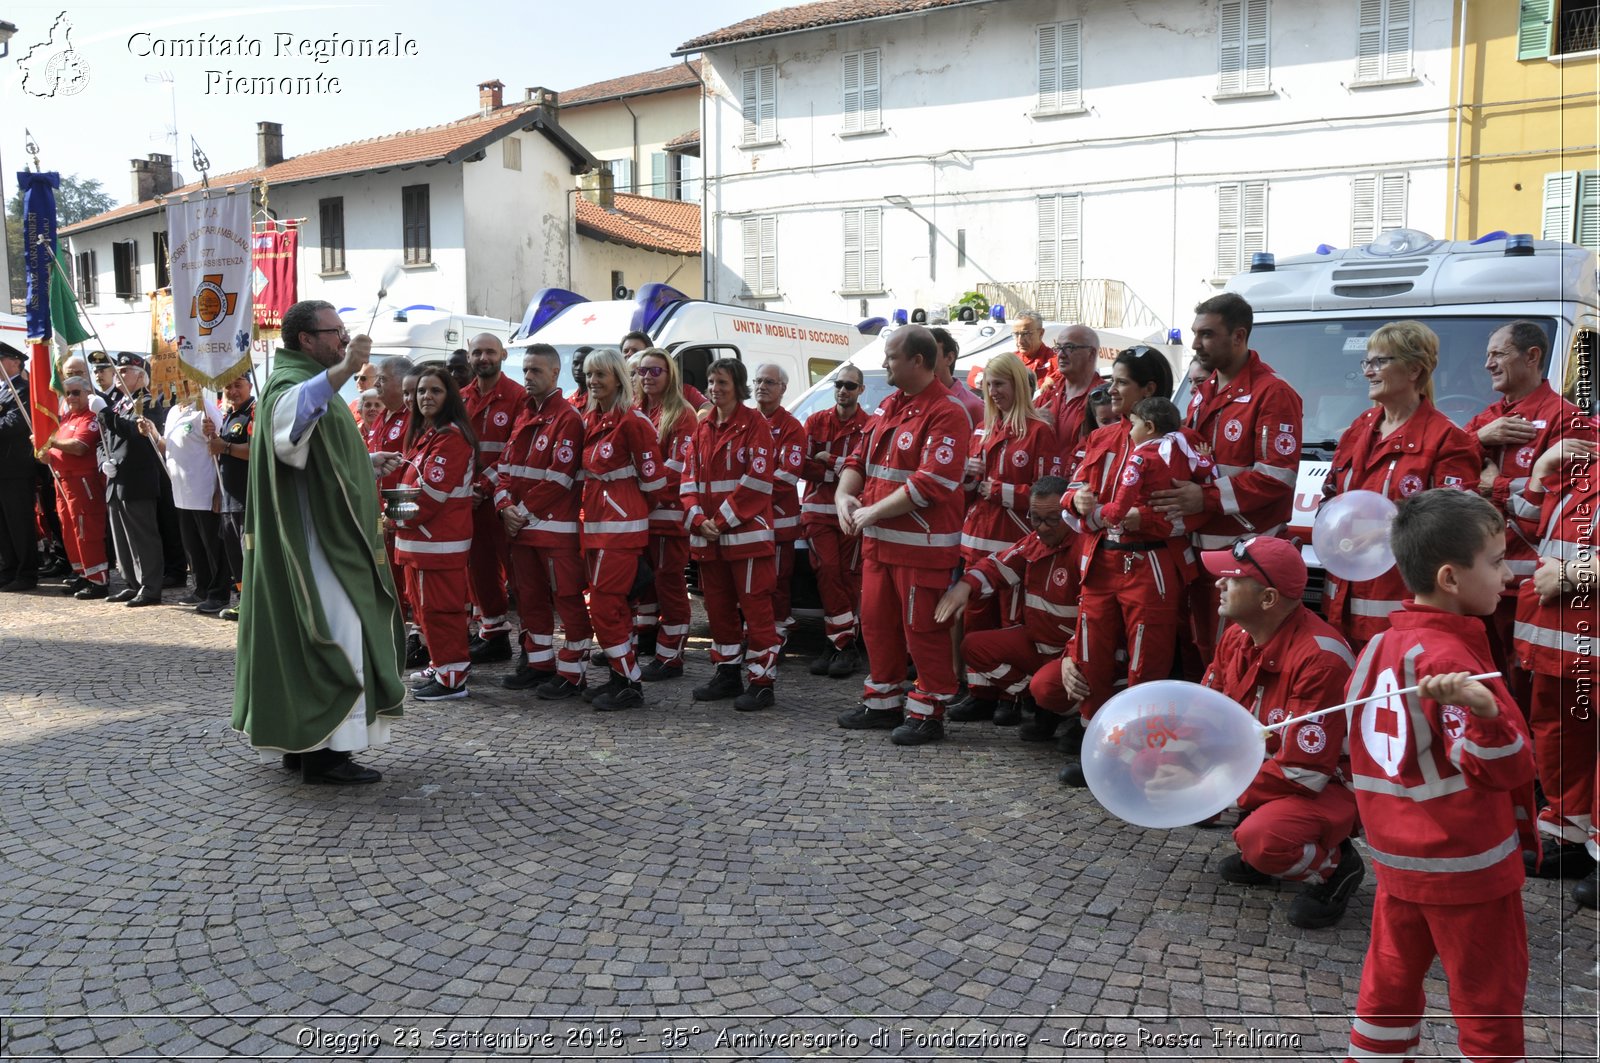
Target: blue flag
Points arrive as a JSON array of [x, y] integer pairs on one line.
[[38, 221]]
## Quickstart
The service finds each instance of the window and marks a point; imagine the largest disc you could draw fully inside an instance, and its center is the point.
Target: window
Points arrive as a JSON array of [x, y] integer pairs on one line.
[[330, 218], [863, 250], [661, 177], [414, 223], [86, 278], [1570, 26], [688, 177], [1242, 35], [158, 249], [621, 175], [1579, 30], [862, 113], [761, 257], [1572, 207], [1383, 41], [511, 153], [1059, 80], [758, 90], [1377, 204], [1060, 256], [125, 268], [1241, 225]]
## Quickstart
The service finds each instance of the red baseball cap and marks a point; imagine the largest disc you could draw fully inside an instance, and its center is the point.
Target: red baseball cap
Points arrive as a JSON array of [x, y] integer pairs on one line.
[[1275, 563]]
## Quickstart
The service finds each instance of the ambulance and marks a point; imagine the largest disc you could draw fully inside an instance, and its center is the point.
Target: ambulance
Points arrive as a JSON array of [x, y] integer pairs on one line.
[[695, 331], [422, 333], [1313, 314]]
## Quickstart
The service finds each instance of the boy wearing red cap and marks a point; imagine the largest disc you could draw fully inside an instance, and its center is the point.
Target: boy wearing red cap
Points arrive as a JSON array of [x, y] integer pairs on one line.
[[1280, 660], [1443, 780]]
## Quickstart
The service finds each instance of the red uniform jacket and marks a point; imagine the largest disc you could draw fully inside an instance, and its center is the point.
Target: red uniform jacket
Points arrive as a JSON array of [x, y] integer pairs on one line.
[[1150, 469], [388, 434], [1008, 466], [1551, 415], [970, 401], [919, 442], [1105, 461], [1303, 667], [788, 456], [1253, 429], [622, 478], [538, 472], [82, 427], [493, 414], [1560, 638], [667, 518], [828, 442], [1446, 797], [1041, 362], [1070, 417], [441, 534], [1048, 581], [728, 479], [1427, 451]]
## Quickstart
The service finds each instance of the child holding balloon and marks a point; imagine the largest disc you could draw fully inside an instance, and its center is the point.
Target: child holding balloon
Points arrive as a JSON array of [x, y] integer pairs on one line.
[[1443, 781]]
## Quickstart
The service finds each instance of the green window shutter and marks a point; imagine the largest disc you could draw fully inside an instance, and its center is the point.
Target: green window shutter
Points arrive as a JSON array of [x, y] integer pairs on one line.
[[1535, 24]]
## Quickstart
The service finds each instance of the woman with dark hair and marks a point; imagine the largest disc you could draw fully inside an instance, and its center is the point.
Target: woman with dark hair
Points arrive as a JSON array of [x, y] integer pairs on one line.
[[432, 546], [1133, 571]]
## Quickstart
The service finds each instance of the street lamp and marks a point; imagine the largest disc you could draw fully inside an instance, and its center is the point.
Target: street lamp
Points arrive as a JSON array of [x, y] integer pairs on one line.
[[7, 30]]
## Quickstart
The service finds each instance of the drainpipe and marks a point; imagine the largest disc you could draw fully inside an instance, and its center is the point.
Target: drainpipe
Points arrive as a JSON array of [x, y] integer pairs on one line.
[[706, 284], [635, 152]]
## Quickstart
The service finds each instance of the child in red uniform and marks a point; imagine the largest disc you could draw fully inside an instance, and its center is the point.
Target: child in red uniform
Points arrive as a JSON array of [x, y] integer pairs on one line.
[[1155, 428], [1443, 787]]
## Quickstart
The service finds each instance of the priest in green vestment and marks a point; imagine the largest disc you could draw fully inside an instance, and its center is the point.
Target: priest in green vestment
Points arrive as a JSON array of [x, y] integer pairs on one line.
[[320, 635]]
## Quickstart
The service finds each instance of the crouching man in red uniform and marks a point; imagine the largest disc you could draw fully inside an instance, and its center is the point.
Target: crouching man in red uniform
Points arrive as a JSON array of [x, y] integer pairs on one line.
[[1444, 787], [902, 492], [1280, 660], [1043, 564]]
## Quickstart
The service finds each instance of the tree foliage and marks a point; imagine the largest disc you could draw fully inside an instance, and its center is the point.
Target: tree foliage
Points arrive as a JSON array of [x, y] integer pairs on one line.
[[77, 198]]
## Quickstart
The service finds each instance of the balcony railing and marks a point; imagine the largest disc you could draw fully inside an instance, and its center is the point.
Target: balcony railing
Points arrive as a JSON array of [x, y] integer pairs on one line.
[[1579, 30], [1098, 302]]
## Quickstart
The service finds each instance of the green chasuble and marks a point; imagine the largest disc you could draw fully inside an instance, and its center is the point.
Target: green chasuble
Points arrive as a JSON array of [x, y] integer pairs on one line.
[[294, 683]]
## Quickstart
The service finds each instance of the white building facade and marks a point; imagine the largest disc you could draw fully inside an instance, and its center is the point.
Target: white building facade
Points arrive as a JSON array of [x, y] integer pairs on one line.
[[1097, 160]]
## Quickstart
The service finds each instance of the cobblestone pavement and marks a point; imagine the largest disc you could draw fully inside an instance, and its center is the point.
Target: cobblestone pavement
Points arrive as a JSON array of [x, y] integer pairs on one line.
[[537, 880]]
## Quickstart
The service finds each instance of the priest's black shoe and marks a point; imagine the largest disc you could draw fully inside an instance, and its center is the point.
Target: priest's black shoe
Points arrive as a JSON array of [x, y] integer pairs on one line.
[[139, 601], [93, 592], [325, 767], [126, 594]]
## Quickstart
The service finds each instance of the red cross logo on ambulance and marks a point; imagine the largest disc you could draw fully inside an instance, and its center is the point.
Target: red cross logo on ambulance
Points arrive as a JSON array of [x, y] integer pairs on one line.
[[1312, 738], [904, 441], [1410, 484], [1233, 430], [500, 419]]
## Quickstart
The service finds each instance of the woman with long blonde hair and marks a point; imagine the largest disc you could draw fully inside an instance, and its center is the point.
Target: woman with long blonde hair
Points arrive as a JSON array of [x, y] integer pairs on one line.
[[661, 616]]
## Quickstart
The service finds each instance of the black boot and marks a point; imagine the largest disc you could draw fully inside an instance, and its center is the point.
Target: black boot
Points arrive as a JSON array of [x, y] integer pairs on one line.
[[1008, 714], [416, 652], [1070, 739], [497, 647], [620, 693], [724, 684], [526, 677], [1041, 729], [1587, 892], [819, 664]]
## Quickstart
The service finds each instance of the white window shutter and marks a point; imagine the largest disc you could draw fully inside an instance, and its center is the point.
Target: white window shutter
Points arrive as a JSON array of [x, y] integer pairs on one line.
[[1071, 79], [1049, 53], [1369, 42], [871, 96], [1227, 230], [1253, 224], [658, 175], [851, 95], [769, 255], [1392, 201], [1397, 39], [1230, 42], [1560, 191], [1587, 228], [852, 250], [1257, 52], [872, 249], [1069, 257], [752, 254], [1363, 211], [1049, 232], [768, 91], [750, 103]]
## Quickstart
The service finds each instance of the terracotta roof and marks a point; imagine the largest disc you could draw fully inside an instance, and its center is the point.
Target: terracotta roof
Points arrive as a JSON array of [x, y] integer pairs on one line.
[[811, 16], [666, 225], [664, 79], [684, 141], [452, 142]]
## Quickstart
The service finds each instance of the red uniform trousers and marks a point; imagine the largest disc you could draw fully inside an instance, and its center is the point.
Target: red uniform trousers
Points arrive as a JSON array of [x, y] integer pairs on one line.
[[439, 600], [897, 604], [663, 607], [1500, 625], [783, 576], [1297, 837], [1564, 752], [742, 585], [488, 569], [1046, 688], [836, 559], [549, 580], [611, 575], [81, 505], [1001, 662], [1200, 603], [1126, 604], [1483, 948]]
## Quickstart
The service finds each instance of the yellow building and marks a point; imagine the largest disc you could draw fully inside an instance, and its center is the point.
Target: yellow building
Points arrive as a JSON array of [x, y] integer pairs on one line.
[[1527, 136]]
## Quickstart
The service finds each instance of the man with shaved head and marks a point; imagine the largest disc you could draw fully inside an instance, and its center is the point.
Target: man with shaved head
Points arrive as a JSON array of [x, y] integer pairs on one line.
[[493, 402]]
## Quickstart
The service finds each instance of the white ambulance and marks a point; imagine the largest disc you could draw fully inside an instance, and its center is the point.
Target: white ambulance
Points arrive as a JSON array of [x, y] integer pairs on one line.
[[1313, 314], [422, 333], [696, 331]]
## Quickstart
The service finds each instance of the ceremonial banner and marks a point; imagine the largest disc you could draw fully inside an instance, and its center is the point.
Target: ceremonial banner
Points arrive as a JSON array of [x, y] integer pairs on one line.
[[210, 250], [166, 375], [273, 252], [38, 246]]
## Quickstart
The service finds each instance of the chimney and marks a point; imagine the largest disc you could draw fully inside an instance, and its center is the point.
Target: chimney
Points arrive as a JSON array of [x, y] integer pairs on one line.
[[269, 144], [152, 177], [549, 101], [598, 186], [491, 96]]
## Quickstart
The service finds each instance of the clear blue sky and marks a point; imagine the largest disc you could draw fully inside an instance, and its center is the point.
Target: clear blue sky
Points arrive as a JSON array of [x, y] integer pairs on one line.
[[124, 111]]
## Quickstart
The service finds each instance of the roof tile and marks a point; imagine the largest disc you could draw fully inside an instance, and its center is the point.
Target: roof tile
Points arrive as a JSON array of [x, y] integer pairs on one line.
[[810, 16], [662, 79], [667, 225]]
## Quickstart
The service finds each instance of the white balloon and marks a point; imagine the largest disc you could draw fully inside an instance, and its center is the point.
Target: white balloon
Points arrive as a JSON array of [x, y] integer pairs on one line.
[[1167, 753], [1351, 535]]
